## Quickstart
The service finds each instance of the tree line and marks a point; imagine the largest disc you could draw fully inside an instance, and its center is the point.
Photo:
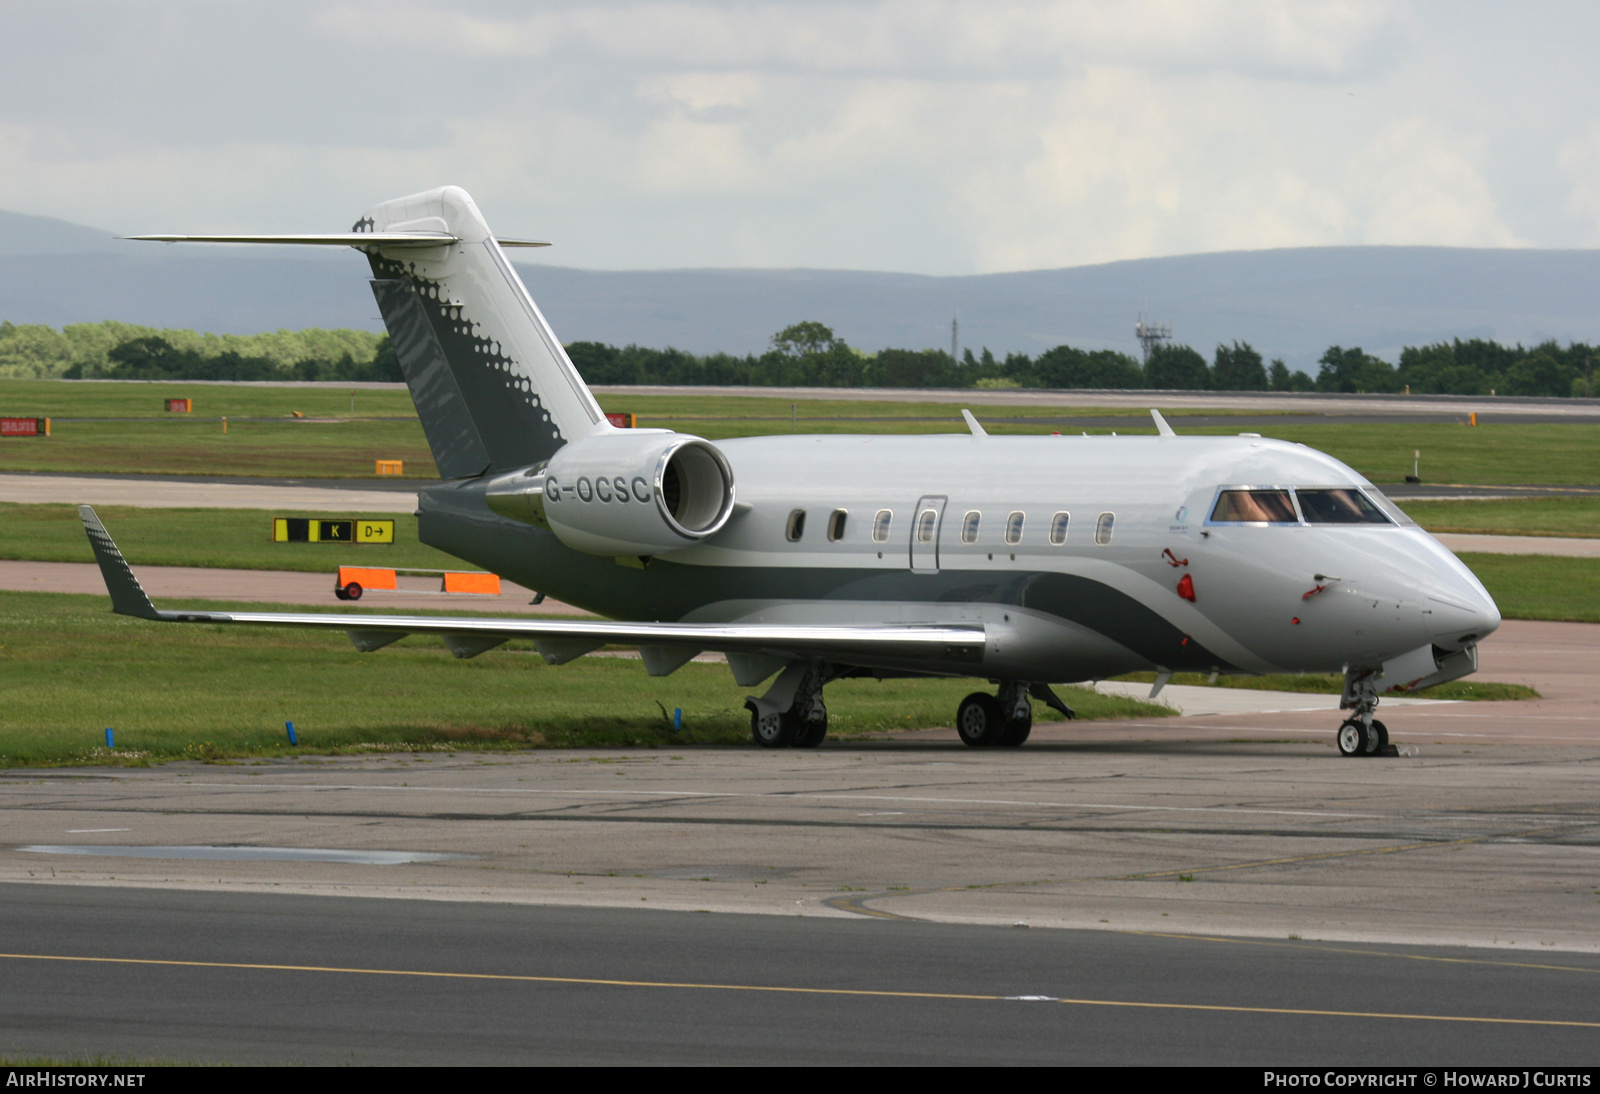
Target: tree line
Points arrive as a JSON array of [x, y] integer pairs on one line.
[[113, 350], [812, 355]]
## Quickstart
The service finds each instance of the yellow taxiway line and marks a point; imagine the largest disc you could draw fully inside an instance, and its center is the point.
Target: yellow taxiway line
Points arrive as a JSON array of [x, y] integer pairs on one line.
[[791, 990]]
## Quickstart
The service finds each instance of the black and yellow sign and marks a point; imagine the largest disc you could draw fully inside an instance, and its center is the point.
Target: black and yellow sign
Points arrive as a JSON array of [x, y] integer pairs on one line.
[[315, 530]]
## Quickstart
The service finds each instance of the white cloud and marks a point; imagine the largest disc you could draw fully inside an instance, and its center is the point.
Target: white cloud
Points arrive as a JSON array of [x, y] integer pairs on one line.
[[1418, 183], [924, 37], [1579, 160], [925, 135]]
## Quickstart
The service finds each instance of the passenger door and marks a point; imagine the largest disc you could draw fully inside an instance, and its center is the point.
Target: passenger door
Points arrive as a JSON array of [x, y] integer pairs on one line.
[[926, 521]]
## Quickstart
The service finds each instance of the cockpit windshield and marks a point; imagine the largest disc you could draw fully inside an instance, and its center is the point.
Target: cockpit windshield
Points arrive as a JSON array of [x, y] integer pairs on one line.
[[1339, 507], [1302, 504], [1254, 507]]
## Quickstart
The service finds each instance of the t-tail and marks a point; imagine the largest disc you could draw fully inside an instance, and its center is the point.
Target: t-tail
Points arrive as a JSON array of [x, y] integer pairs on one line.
[[493, 386], [499, 398]]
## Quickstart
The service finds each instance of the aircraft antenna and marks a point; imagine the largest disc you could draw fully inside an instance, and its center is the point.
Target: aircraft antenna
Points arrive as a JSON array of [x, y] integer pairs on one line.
[[1151, 335]]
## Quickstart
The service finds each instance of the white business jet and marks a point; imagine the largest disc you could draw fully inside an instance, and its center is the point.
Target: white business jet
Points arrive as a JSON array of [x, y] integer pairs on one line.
[[1024, 561]]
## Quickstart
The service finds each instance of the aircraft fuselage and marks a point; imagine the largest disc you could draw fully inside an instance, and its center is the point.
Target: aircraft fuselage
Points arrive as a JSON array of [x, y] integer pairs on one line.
[[1088, 582]]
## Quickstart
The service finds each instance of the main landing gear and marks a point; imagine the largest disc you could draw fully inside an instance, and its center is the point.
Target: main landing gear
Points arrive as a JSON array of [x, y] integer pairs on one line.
[[791, 714], [1362, 734], [1006, 719]]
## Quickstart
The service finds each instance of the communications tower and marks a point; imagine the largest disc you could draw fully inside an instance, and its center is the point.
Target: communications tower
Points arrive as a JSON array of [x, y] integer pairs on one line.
[[1151, 335]]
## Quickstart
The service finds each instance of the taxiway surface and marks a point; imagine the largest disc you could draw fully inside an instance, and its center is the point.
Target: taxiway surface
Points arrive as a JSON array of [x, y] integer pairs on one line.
[[1244, 824], [306, 980]]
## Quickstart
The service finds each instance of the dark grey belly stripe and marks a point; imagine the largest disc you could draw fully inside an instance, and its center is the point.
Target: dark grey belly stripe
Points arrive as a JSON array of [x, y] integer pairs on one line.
[[667, 591]]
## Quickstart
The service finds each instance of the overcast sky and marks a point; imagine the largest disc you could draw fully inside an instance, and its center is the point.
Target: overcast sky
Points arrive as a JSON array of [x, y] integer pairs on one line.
[[907, 135]]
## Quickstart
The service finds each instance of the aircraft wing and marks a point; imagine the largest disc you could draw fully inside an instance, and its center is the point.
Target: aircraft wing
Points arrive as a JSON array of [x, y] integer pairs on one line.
[[665, 646]]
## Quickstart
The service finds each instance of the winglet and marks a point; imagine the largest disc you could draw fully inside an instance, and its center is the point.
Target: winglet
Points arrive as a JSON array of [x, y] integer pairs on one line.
[[972, 424], [1161, 424], [127, 595]]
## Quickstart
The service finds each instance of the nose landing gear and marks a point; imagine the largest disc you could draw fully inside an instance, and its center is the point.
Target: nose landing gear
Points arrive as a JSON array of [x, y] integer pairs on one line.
[[1362, 734], [1357, 739]]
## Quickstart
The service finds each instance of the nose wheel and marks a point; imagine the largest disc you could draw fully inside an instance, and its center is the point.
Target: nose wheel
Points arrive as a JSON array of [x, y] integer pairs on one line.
[[1358, 739], [1362, 734]]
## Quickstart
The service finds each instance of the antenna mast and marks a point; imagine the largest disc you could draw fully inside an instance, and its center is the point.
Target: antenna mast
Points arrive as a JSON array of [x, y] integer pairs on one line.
[[1151, 335]]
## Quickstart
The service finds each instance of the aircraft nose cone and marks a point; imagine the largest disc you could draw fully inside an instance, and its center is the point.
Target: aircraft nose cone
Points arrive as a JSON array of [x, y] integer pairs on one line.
[[1462, 613]]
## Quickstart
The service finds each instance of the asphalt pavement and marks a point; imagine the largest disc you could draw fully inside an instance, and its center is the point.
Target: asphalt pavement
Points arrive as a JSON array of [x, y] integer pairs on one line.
[[266, 979]]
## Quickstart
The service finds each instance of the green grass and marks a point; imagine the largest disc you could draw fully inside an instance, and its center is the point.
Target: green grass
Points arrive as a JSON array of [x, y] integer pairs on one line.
[[1495, 454], [777, 413], [1318, 684], [285, 448], [227, 538], [69, 669], [1513, 517], [1540, 586], [92, 399], [384, 426]]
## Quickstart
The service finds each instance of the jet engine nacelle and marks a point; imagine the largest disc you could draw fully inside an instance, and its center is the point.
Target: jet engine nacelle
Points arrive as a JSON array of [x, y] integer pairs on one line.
[[632, 493]]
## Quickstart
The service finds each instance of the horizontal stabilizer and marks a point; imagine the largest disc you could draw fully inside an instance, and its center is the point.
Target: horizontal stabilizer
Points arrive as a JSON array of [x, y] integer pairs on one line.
[[341, 239]]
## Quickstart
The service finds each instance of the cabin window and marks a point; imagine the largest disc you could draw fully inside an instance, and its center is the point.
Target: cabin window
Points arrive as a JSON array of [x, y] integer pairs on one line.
[[836, 525], [797, 526], [1014, 528], [1104, 527], [969, 527], [1254, 507], [927, 521], [1058, 528], [1339, 507], [880, 525]]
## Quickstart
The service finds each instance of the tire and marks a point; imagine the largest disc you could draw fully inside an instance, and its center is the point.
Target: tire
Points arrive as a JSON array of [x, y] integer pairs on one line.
[[773, 731], [1382, 733], [1352, 739], [339, 593], [352, 591], [978, 720], [810, 733], [1015, 731]]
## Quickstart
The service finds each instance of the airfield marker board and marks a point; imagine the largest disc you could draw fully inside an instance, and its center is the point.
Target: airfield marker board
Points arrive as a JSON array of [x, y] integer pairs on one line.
[[314, 530]]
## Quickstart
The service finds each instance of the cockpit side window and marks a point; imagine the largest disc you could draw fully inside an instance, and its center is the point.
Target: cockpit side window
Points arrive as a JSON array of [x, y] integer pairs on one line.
[[1254, 507], [1343, 506]]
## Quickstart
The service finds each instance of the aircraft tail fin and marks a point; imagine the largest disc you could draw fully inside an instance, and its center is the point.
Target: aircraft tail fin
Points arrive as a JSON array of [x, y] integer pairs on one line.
[[127, 595], [493, 386]]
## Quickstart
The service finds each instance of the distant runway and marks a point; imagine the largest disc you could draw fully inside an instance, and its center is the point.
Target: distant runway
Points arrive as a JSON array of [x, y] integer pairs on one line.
[[161, 492], [1455, 406]]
